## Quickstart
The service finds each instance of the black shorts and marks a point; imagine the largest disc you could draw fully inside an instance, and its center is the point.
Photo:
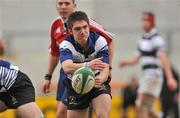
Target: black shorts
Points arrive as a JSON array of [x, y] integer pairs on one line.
[[76, 101], [21, 92]]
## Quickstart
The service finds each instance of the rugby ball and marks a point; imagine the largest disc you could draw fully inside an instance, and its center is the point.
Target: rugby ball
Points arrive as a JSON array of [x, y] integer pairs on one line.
[[83, 80]]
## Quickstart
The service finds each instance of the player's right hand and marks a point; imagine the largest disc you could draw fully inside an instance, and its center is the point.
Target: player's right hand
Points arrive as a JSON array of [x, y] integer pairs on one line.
[[97, 64], [172, 84], [122, 64], [46, 86]]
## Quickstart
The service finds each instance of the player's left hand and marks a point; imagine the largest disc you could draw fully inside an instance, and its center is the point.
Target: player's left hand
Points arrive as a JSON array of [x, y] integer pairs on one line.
[[99, 82], [172, 84]]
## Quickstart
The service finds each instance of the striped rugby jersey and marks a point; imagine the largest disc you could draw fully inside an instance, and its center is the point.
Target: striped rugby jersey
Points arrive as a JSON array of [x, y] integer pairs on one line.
[[71, 49], [8, 75], [149, 46]]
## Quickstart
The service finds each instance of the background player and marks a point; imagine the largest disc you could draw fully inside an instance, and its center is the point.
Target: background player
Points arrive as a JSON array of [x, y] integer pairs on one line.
[[17, 92], [59, 32], [151, 50], [85, 48]]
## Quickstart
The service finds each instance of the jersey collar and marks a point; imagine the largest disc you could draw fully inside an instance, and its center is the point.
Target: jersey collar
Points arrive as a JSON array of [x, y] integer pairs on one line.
[[150, 34]]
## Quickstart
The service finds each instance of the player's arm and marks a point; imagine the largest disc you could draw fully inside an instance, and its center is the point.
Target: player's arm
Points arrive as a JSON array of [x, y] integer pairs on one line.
[[130, 61], [104, 54], [52, 63], [94, 26], [66, 59], [54, 55], [69, 67], [160, 45], [167, 69], [103, 76]]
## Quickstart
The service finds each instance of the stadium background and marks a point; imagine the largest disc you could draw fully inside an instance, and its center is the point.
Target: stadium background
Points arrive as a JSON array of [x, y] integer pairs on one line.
[[25, 24]]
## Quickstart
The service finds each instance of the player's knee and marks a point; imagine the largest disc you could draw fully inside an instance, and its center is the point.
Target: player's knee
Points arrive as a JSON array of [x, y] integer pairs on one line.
[[103, 113], [144, 104], [61, 112]]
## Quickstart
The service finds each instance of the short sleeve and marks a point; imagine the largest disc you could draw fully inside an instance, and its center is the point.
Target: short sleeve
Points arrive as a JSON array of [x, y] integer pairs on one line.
[[159, 44], [101, 48], [65, 51], [5, 64]]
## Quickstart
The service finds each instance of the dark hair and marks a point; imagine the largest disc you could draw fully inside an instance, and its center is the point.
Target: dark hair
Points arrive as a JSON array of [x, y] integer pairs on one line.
[[77, 16], [72, 1], [151, 14]]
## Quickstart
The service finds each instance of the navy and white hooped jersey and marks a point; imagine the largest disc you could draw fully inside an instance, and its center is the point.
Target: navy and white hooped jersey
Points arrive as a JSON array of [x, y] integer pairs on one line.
[[97, 47], [8, 75], [149, 47]]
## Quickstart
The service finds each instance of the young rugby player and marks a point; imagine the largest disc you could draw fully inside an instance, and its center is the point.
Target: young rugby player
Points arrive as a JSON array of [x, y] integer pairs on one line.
[[86, 48], [58, 33], [17, 92], [151, 55]]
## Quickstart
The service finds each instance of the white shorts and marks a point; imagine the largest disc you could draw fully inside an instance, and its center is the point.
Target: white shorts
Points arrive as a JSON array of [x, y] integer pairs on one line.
[[151, 85]]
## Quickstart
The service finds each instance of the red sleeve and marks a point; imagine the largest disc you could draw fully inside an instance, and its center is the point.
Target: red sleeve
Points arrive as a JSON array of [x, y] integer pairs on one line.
[[54, 47], [94, 26]]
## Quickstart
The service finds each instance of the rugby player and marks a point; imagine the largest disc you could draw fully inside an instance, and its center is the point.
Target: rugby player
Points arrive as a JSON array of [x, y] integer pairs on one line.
[[153, 57], [58, 33], [86, 48], [17, 92]]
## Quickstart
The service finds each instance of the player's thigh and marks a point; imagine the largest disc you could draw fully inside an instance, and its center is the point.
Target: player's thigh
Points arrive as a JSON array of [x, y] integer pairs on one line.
[[3, 107], [102, 104], [77, 113], [61, 109], [30, 110]]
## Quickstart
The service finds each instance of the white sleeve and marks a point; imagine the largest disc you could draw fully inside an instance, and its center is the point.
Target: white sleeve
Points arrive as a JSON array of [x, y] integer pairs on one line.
[[101, 44], [67, 45], [159, 44]]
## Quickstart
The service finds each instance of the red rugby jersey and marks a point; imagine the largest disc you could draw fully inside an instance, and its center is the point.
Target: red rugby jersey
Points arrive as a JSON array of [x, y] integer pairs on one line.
[[59, 32]]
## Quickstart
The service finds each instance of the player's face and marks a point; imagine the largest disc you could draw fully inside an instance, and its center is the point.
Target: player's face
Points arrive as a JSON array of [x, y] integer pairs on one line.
[[146, 24], [65, 8], [80, 31]]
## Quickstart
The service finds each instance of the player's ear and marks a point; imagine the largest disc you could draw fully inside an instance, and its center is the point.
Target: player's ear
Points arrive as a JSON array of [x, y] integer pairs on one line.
[[75, 5]]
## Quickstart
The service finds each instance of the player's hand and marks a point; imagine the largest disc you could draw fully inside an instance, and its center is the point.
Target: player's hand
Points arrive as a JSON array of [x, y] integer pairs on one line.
[[46, 86], [99, 82], [122, 64], [172, 84], [97, 64]]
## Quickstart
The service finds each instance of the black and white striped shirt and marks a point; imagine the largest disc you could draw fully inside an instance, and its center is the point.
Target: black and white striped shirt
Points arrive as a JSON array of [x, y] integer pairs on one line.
[[8, 75], [149, 46]]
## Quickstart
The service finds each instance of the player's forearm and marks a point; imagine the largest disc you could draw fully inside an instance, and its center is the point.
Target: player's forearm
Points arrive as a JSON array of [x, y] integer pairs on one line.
[[69, 67], [166, 65], [132, 61], [53, 62]]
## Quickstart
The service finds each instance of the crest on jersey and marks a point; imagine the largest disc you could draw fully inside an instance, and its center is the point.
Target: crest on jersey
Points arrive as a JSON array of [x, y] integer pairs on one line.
[[58, 30]]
